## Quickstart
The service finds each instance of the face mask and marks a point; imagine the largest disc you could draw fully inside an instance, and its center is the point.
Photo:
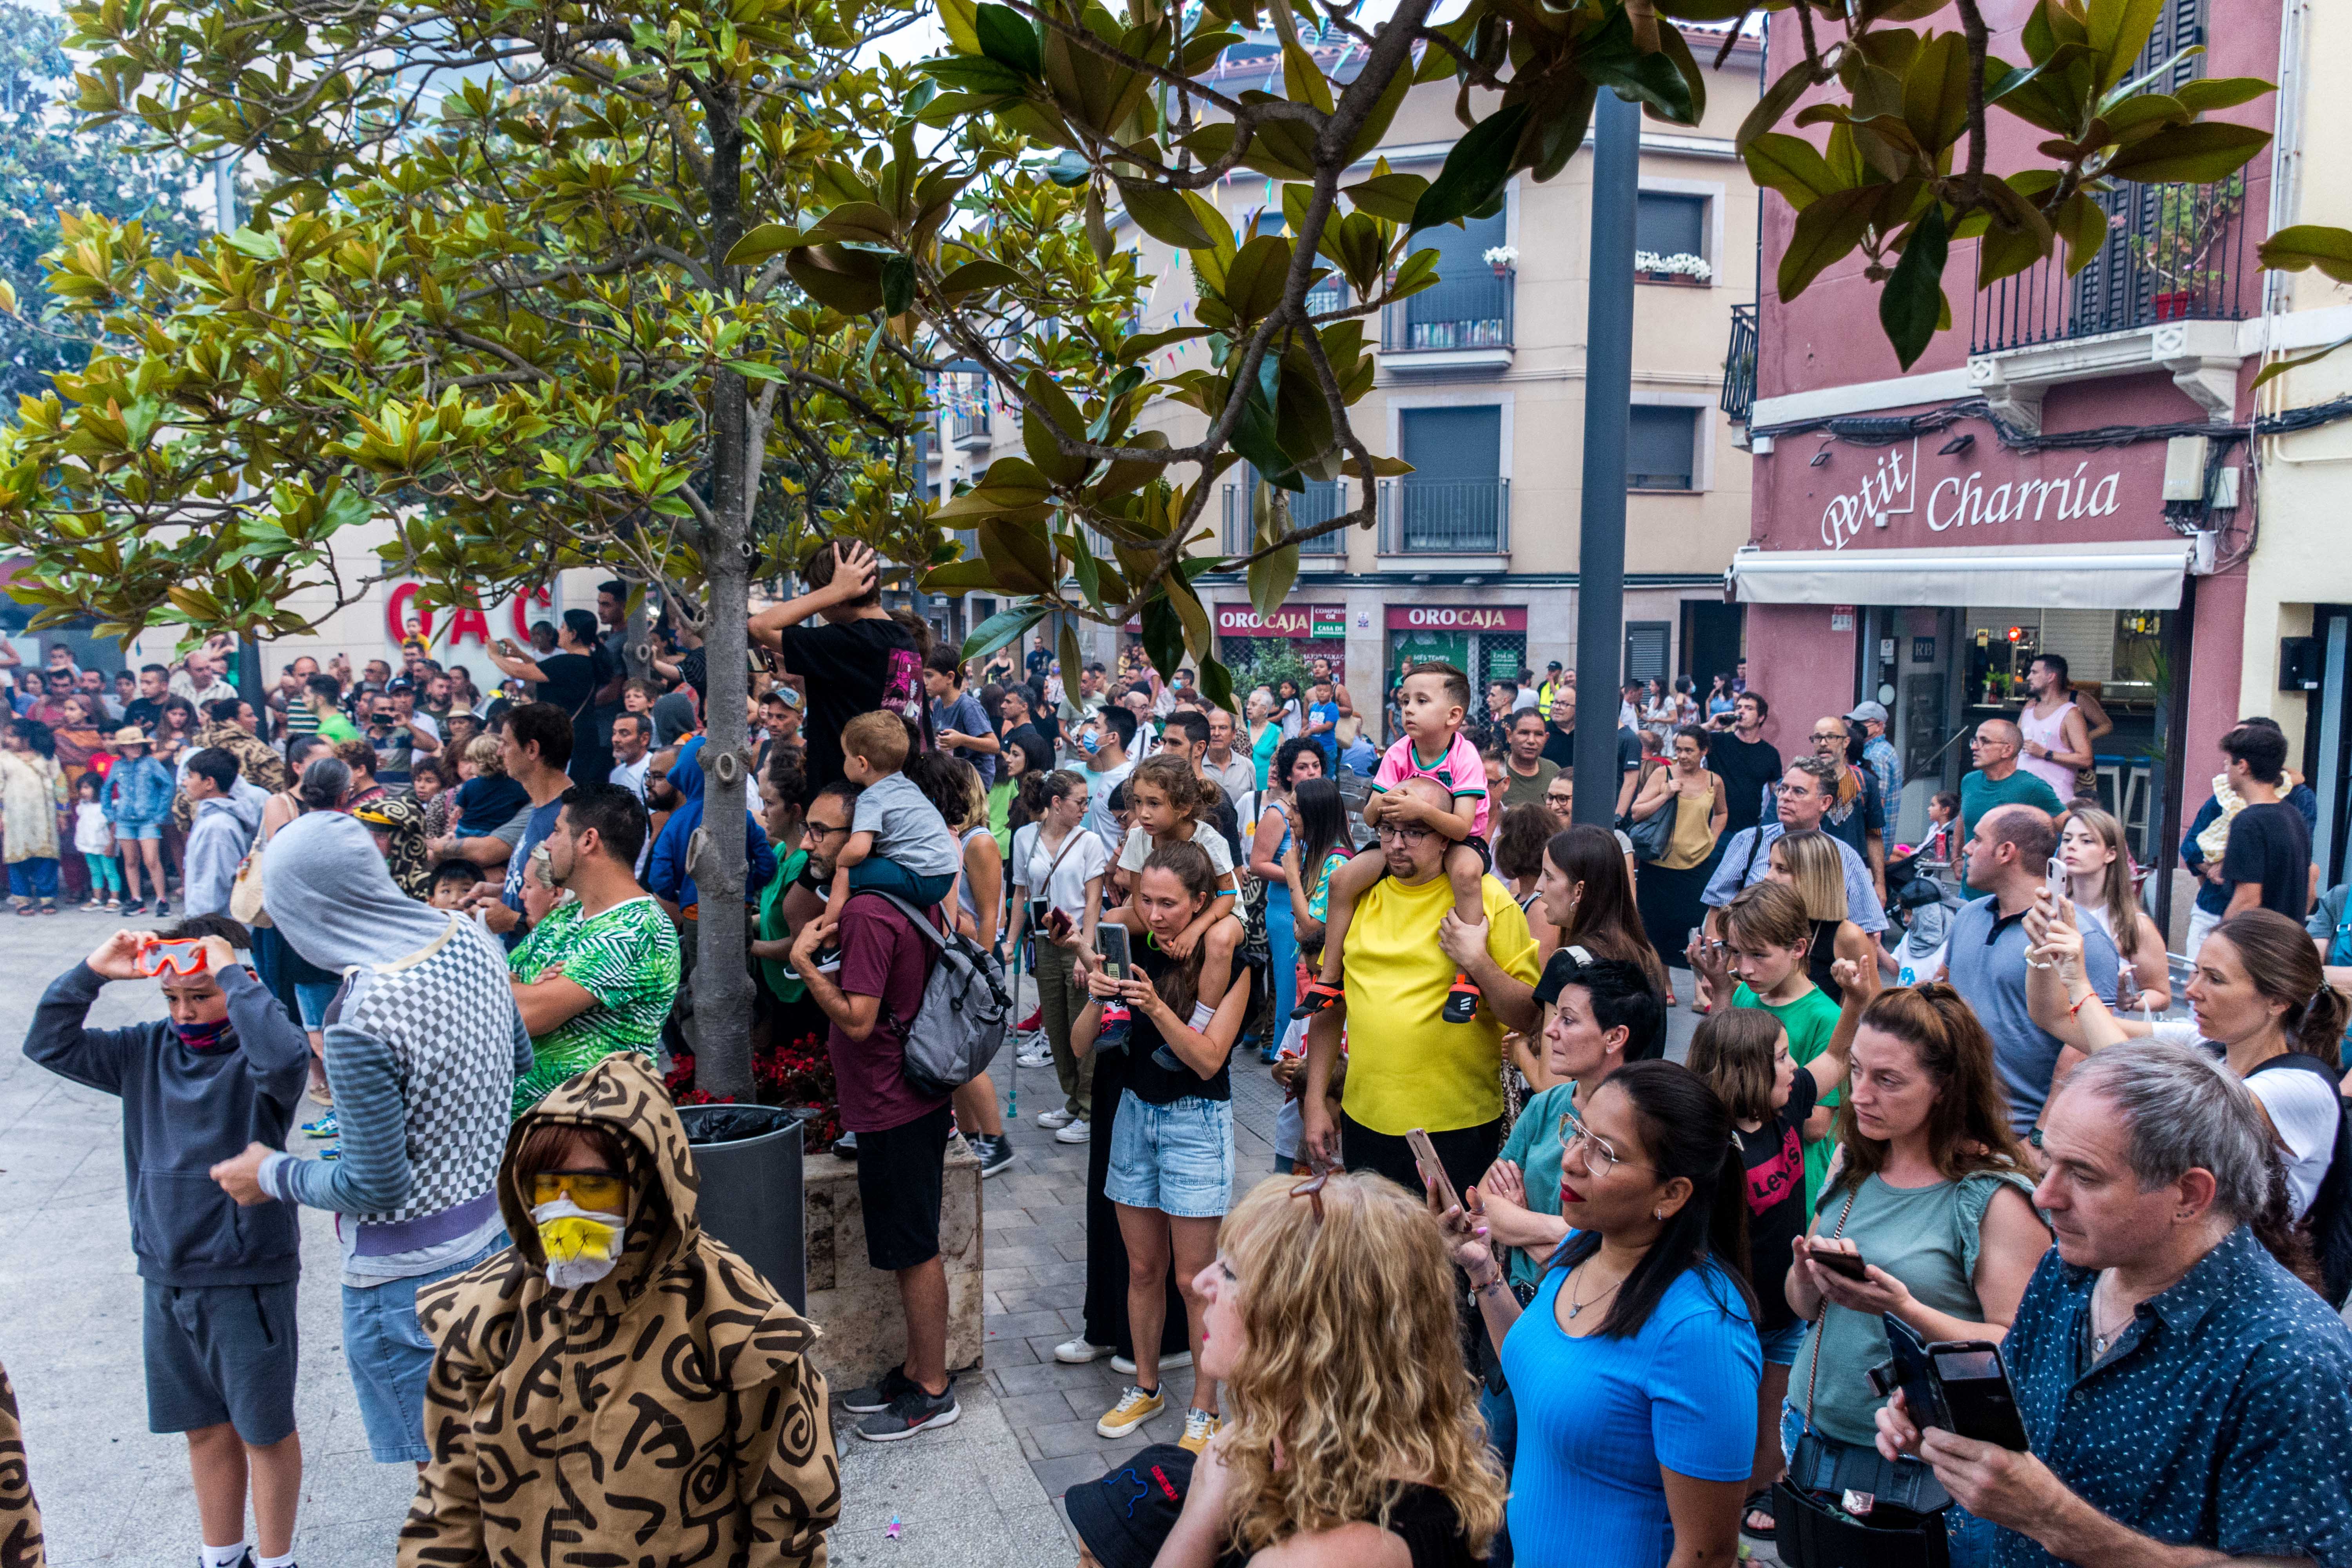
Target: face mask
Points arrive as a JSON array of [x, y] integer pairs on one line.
[[1089, 744], [582, 1246], [207, 1039]]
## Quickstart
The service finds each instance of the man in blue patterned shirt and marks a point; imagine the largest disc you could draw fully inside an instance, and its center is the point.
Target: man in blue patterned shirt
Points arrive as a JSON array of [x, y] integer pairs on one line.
[[2189, 1401]]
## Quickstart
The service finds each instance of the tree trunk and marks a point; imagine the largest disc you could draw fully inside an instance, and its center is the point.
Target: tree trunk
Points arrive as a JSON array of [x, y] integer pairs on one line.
[[722, 978]]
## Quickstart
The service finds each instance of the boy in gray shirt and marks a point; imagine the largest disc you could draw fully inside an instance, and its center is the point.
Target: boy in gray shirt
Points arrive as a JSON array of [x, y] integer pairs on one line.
[[898, 842]]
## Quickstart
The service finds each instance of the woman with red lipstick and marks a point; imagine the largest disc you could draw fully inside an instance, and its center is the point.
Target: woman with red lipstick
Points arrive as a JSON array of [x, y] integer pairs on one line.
[[1934, 1198], [1635, 1368]]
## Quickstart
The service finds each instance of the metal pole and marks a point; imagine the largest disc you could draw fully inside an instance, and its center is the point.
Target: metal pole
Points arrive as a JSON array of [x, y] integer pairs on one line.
[[1608, 391]]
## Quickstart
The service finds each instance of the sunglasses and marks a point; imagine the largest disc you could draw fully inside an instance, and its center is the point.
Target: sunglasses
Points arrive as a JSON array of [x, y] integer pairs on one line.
[[1311, 1189], [599, 1190]]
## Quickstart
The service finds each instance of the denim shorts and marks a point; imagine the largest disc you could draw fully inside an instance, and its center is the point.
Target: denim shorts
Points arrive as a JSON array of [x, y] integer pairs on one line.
[[313, 1000], [130, 831], [391, 1358], [1781, 1346], [1178, 1159]]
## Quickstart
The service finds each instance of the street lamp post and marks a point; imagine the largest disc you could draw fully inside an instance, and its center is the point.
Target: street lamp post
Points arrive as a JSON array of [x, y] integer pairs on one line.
[[1608, 389]]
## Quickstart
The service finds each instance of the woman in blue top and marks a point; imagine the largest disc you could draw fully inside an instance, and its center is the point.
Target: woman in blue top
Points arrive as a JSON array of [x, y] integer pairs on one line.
[[1294, 764], [1635, 1367]]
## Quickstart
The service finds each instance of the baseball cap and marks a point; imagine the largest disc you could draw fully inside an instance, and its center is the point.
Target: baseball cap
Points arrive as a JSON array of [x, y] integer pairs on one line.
[[1123, 1518], [1869, 712], [1553, 665], [788, 696]]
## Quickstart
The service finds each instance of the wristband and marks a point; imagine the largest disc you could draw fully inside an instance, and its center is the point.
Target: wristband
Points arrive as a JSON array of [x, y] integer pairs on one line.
[[2077, 1007]]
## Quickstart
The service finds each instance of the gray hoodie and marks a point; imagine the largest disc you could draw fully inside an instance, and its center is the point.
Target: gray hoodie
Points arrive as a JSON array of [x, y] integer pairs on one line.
[[222, 832]]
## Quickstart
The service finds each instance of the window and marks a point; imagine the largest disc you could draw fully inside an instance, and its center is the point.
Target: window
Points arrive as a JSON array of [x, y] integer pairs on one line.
[[1469, 305], [1661, 448], [1667, 225], [1645, 649], [1454, 498]]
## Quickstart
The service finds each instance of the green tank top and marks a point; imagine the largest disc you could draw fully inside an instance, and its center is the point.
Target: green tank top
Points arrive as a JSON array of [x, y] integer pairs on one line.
[[1927, 1237]]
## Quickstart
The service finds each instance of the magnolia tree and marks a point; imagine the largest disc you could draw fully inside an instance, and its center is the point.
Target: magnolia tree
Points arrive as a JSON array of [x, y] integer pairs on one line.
[[495, 292], [1889, 156]]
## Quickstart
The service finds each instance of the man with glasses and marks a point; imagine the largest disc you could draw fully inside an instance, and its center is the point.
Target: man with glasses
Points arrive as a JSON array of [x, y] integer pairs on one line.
[[1802, 799], [1998, 781], [1407, 1069], [1857, 809]]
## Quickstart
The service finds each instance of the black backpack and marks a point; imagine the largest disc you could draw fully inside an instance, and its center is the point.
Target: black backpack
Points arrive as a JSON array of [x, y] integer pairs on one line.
[[2329, 1221]]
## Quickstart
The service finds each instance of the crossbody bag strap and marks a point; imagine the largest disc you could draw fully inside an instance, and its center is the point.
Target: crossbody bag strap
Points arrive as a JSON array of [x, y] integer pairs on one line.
[[1814, 1379]]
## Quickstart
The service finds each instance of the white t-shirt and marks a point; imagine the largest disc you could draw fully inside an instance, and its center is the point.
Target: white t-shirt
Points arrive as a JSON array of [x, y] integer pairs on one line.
[[1063, 886], [1138, 848], [2303, 1106]]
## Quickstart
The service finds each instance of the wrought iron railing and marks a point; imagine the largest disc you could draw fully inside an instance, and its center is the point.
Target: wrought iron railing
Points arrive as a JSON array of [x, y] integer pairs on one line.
[[968, 427], [1320, 503], [1445, 517], [1327, 296], [1472, 311], [2173, 253], [1740, 364]]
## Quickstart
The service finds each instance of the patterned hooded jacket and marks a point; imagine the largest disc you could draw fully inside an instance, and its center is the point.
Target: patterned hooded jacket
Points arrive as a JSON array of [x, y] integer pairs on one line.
[[20, 1515], [258, 763], [665, 1415]]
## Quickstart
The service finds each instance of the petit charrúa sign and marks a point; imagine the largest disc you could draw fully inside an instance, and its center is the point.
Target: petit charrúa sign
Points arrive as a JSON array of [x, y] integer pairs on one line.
[[1892, 488]]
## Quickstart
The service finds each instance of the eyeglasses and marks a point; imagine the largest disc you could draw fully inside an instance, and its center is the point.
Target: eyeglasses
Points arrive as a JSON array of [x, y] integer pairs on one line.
[[599, 1190], [1828, 735], [1597, 1154], [819, 832], [1401, 834]]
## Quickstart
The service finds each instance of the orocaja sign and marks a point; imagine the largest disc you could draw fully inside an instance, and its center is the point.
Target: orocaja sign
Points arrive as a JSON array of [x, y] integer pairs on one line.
[[1289, 621], [1457, 618]]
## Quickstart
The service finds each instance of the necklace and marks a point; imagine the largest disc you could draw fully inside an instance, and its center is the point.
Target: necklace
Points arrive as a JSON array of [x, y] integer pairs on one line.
[[2101, 1341], [1575, 1306]]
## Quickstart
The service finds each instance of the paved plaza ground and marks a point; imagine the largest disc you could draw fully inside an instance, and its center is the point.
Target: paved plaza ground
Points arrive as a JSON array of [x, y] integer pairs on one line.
[[982, 1494]]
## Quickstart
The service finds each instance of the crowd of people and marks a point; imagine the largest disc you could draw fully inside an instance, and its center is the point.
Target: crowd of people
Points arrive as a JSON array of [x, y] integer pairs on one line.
[[459, 927]]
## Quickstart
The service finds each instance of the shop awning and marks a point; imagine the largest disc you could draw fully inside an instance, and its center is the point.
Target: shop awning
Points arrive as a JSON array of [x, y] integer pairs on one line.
[[2130, 576]]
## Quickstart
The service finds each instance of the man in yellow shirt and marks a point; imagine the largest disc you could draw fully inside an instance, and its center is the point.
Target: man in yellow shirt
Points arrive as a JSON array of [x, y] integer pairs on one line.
[[1406, 1068]]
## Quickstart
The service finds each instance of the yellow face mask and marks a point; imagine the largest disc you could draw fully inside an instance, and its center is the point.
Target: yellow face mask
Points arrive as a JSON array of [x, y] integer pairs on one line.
[[581, 1243]]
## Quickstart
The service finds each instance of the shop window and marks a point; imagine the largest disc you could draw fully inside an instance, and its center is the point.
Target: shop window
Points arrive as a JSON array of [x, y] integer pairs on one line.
[[1661, 448], [1667, 225], [1646, 643]]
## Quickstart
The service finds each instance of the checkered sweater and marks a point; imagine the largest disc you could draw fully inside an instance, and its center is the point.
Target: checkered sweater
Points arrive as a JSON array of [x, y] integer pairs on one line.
[[423, 1056]]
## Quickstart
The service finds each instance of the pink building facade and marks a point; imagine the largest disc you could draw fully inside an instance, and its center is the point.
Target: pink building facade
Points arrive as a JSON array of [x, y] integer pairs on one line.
[[2064, 471]]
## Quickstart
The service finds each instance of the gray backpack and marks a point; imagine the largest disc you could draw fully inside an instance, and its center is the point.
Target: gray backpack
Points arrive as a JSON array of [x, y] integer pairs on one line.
[[964, 1016]]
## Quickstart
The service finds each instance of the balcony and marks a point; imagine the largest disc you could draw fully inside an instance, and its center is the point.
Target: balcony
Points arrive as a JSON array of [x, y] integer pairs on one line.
[[2164, 293], [1458, 524], [1321, 503], [1461, 327], [967, 428], [1740, 366]]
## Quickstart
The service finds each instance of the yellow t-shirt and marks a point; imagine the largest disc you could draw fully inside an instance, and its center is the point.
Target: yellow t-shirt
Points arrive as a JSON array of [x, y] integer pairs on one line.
[[1408, 1067]]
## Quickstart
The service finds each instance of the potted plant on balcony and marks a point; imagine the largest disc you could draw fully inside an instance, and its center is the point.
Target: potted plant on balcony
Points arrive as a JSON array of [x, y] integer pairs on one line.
[[1682, 267], [2191, 223], [1502, 259]]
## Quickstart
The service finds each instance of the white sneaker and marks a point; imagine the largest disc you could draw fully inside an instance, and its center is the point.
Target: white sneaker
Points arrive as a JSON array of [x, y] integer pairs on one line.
[[1173, 1359], [1054, 1120], [1078, 1351], [1074, 1130], [1037, 1058]]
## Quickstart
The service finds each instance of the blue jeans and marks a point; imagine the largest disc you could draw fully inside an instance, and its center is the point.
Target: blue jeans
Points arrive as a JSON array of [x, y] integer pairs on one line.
[[1971, 1537], [34, 878], [880, 874], [1502, 1418], [390, 1359]]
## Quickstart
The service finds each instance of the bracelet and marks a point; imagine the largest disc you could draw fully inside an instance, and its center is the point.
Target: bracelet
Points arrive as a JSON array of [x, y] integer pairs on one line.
[[2077, 1007], [1498, 1282]]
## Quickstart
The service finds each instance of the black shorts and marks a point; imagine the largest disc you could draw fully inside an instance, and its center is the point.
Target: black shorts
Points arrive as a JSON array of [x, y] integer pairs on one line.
[[900, 1176], [1464, 1151], [220, 1353]]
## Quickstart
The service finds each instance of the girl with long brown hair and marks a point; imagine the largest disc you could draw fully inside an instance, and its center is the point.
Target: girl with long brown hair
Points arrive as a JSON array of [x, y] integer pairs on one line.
[[1932, 1205], [1331, 1322], [2099, 882]]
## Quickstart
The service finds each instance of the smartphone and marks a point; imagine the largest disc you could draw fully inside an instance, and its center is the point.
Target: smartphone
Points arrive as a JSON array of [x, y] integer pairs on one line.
[[184, 956], [1110, 940], [1961, 1386], [1057, 924], [2057, 877], [1853, 1264], [1432, 1172]]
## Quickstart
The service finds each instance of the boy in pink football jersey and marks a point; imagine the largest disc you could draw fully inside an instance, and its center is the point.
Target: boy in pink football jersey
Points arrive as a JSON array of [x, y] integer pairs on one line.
[[1433, 701]]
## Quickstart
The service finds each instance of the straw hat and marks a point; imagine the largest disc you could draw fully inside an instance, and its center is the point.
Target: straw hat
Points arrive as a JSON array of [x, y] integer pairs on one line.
[[129, 735]]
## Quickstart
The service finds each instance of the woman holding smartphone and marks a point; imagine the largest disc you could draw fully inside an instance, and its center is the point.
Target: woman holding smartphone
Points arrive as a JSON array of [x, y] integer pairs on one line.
[[1171, 1157], [1930, 1218], [1057, 870]]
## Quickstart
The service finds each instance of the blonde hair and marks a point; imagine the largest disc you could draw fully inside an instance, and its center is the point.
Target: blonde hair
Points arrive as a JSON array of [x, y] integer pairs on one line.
[[1816, 871], [1351, 1361], [880, 737], [483, 751]]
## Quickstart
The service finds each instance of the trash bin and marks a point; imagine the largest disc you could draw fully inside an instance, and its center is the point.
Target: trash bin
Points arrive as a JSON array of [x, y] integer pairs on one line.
[[750, 1157]]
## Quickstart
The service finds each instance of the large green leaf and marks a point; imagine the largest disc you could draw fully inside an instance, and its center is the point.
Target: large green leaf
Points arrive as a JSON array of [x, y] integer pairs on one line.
[[1912, 301], [1827, 230], [1165, 215], [761, 243], [2220, 93], [1612, 59], [1477, 171], [2309, 245], [1009, 38], [2195, 154], [1772, 103], [1270, 577], [1163, 633], [1000, 629], [1790, 166]]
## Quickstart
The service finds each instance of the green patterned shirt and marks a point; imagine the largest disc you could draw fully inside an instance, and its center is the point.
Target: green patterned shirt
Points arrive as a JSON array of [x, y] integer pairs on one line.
[[627, 959]]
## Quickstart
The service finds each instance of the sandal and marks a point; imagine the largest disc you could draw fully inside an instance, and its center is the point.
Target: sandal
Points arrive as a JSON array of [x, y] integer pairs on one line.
[[1316, 998], [1757, 1502]]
